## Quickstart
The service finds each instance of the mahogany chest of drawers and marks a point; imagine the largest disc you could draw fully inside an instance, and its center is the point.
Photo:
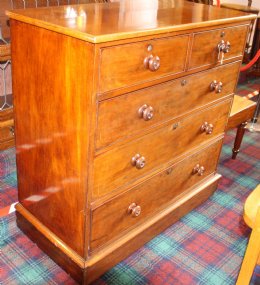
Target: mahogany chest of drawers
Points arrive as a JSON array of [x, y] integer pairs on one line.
[[127, 109]]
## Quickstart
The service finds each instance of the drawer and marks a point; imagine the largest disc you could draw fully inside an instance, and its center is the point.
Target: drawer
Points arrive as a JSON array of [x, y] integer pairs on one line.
[[6, 133], [151, 196], [134, 112], [205, 45], [124, 65], [118, 166]]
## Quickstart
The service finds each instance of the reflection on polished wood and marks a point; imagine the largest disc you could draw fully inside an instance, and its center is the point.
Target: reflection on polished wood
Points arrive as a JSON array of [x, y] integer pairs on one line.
[[90, 22], [122, 137]]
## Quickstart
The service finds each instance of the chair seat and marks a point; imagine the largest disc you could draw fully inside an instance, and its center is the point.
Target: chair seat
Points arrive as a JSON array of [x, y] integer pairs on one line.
[[242, 110], [251, 206]]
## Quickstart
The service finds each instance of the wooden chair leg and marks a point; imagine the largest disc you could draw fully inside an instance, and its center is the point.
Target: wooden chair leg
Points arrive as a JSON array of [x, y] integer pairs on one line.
[[238, 139], [251, 255]]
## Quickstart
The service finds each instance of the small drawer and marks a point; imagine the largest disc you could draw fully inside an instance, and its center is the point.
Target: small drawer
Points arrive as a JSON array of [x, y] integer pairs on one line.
[[134, 63], [121, 165], [140, 202], [131, 113], [6, 133], [205, 48]]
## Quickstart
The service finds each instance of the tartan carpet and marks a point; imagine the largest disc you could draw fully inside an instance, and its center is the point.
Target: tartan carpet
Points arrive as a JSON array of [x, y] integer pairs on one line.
[[8, 189], [205, 247], [252, 85]]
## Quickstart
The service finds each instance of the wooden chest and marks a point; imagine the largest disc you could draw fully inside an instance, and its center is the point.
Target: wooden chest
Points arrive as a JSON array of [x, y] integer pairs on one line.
[[127, 110]]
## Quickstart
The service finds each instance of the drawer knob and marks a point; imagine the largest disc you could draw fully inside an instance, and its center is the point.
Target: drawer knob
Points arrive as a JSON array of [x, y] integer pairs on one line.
[[146, 112], [224, 46], [152, 62], [134, 210], [217, 86], [138, 161], [12, 130], [207, 128], [198, 169]]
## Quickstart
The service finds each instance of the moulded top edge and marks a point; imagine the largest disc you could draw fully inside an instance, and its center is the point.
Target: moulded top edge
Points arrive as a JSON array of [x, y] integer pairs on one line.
[[125, 19]]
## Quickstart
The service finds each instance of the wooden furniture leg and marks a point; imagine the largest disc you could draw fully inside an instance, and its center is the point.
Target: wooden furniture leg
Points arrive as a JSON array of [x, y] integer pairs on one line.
[[238, 140], [242, 110], [252, 219]]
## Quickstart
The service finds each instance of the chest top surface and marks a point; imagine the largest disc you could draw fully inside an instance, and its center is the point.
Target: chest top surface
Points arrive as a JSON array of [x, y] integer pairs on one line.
[[103, 22]]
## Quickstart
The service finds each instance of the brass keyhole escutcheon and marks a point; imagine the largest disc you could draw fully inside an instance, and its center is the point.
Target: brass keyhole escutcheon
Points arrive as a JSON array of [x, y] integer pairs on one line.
[[12, 130], [184, 82], [175, 126], [149, 47]]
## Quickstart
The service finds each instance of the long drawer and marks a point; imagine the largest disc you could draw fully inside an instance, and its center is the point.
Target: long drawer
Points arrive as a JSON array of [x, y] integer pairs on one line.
[[205, 49], [137, 204], [126, 163], [134, 63], [134, 112]]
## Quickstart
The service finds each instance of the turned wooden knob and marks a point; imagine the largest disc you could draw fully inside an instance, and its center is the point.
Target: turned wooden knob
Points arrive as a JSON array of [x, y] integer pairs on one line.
[[217, 86], [207, 128], [224, 46], [146, 112], [138, 161], [152, 62], [198, 169], [134, 210]]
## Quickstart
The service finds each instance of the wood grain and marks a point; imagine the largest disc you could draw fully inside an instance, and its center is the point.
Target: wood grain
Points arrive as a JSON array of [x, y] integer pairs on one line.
[[171, 182], [51, 123], [113, 169], [168, 100], [74, 72], [124, 65], [62, 259], [205, 51], [121, 20], [101, 261]]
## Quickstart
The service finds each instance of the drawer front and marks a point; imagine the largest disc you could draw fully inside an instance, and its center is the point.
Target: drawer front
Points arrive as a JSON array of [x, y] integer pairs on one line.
[[205, 45], [151, 196], [131, 113], [116, 167], [124, 65], [6, 133]]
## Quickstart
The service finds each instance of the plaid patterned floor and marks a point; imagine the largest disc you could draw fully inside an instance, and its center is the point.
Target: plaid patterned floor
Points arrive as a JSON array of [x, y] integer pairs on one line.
[[248, 87], [8, 190], [205, 247]]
